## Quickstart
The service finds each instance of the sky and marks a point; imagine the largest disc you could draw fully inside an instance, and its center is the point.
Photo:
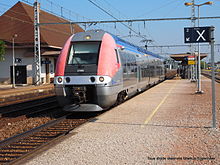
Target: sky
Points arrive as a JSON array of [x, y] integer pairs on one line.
[[160, 32]]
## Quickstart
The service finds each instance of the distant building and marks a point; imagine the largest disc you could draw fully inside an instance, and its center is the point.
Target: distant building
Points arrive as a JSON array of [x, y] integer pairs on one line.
[[19, 21]]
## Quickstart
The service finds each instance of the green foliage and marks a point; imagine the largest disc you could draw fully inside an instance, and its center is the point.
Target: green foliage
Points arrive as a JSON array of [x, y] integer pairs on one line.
[[203, 65], [2, 50]]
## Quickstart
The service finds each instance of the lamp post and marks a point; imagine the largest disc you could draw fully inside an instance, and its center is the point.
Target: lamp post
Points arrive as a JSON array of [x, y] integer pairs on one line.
[[13, 60], [199, 89]]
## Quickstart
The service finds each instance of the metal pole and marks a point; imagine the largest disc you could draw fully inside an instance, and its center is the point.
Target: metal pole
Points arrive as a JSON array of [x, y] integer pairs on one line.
[[193, 76], [213, 80], [37, 54], [13, 62], [199, 88]]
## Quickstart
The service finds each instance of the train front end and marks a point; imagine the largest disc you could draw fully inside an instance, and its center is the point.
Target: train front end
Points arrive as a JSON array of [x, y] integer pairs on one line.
[[88, 74]]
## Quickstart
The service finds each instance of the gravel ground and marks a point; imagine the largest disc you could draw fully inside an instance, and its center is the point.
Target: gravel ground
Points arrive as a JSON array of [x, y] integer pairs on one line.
[[13, 126], [167, 124]]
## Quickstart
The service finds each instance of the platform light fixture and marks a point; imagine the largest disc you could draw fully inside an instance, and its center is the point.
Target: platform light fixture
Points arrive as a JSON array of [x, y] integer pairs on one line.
[[206, 3]]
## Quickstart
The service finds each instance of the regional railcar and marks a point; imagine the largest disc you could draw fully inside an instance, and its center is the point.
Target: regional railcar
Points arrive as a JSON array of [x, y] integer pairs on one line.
[[96, 70]]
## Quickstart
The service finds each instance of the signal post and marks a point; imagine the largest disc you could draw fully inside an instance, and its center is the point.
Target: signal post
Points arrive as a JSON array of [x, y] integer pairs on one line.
[[198, 35]]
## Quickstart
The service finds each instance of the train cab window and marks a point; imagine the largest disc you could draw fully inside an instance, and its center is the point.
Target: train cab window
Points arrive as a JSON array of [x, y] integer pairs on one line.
[[84, 53]]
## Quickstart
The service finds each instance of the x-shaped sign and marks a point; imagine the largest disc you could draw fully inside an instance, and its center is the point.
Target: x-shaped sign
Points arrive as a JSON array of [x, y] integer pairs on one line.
[[201, 35], [197, 34]]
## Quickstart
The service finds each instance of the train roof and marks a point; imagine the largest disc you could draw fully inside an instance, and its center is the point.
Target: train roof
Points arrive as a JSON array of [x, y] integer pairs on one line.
[[134, 47], [118, 41]]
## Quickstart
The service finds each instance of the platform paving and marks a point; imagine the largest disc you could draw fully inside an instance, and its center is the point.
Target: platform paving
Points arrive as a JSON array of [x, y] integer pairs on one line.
[[167, 124]]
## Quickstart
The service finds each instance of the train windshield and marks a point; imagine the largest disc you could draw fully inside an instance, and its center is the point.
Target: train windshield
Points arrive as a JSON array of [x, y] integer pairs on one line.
[[84, 53]]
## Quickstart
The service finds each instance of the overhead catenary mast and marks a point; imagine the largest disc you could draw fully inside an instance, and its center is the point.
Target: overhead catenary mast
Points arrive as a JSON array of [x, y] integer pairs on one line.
[[37, 55]]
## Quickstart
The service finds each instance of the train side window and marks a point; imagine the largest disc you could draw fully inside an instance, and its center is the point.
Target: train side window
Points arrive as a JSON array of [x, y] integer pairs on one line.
[[117, 55]]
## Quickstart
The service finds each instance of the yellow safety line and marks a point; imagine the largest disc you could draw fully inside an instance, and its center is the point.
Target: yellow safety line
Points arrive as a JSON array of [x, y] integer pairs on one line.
[[155, 110]]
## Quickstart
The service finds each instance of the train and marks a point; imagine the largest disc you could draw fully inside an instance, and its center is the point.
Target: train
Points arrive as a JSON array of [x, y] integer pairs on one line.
[[96, 70]]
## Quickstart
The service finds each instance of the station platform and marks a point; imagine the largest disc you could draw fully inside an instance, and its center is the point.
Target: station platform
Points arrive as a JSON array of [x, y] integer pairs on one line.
[[9, 95], [167, 124]]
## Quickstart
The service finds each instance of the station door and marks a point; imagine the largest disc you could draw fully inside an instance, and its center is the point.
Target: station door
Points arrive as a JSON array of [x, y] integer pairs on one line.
[[20, 74]]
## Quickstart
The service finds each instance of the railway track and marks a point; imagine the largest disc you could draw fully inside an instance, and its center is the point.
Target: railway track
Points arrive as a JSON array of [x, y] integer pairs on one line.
[[29, 108], [16, 99], [18, 118], [25, 145], [208, 75]]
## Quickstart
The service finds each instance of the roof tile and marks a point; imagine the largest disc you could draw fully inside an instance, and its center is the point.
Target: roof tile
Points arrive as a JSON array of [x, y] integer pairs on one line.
[[20, 20]]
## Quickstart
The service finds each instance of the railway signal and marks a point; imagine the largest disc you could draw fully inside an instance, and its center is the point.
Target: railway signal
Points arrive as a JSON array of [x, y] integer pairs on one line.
[[198, 35]]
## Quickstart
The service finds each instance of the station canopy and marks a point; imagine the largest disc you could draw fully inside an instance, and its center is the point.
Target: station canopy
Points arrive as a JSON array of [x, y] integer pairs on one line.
[[181, 57]]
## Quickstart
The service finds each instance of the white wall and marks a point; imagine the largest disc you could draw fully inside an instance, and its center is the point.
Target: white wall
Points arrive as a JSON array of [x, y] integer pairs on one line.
[[28, 61], [5, 65], [51, 69]]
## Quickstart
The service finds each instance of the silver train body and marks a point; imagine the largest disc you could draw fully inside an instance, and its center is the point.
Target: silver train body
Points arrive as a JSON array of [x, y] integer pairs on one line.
[[96, 70]]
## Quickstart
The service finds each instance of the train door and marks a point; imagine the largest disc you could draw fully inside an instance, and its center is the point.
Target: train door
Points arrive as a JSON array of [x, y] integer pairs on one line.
[[148, 74], [139, 77], [152, 73], [139, 74]]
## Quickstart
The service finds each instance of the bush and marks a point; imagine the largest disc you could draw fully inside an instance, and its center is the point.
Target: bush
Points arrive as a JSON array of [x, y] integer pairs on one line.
[[2, 50]]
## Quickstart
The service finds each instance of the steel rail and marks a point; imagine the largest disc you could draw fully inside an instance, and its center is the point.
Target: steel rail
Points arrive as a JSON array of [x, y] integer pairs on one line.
[[24, 106], [21, 147], [30, 132], [27, 145], [208, 75], [27, 98]]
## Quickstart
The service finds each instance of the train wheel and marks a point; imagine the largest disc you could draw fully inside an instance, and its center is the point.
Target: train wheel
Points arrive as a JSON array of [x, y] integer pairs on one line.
[[121, 97]]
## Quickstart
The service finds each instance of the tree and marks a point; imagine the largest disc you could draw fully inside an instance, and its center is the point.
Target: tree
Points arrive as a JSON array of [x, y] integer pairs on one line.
[[2, 50]]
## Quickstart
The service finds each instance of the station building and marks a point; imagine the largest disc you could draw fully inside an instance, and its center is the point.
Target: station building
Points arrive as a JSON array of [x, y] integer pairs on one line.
[[17, 26]]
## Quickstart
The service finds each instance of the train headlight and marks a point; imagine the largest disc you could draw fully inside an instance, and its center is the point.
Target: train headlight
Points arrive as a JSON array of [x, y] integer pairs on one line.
[[101, 79], [60, 79]]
